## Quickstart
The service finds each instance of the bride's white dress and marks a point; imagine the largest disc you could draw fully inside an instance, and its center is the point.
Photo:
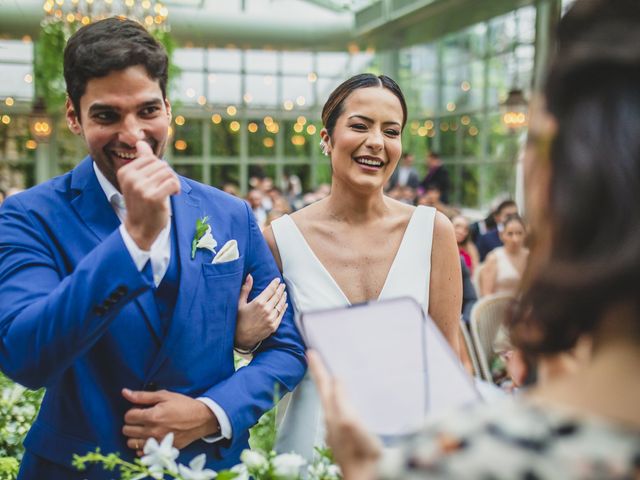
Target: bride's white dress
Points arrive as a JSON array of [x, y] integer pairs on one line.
[[311, 287]]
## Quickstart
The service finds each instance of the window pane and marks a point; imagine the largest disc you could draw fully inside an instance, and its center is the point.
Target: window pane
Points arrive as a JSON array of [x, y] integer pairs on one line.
[[261, 61], [261, 141], [224, 142], [224, 60], [188, 138], [262, 89], [193, 172], [297, 62], [225, 89], [221, 174]]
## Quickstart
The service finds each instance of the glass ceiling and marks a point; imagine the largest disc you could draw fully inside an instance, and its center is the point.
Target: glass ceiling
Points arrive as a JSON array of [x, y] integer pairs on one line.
[[303, 7]]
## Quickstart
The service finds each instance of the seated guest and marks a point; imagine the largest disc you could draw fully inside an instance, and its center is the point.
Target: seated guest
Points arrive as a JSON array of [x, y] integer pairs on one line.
[[583, 280], [432, 197], [491, 239], [467, 249], [505, 265], [469, 295]]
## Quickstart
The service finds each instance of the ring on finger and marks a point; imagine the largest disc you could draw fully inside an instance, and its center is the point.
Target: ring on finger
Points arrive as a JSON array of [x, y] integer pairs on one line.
[[137, 445], [278, 309]]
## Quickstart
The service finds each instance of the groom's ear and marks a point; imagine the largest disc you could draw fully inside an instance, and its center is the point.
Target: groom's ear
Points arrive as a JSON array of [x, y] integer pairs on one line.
[[73, 118]]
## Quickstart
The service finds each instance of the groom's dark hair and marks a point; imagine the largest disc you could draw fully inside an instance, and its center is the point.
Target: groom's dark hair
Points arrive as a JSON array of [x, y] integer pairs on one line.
[[110, 45]]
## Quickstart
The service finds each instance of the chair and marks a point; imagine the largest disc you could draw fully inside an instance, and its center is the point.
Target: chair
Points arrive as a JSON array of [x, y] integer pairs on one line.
[[486, 317], [475, 278], [468, 343]]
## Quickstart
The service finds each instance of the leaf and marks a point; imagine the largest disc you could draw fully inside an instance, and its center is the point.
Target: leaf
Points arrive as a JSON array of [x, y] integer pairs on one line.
[[201, 228], [226, 475]]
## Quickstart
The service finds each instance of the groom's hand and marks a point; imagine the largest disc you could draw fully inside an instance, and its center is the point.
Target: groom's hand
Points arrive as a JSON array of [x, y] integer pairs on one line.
[[158, 413], [146, 183]]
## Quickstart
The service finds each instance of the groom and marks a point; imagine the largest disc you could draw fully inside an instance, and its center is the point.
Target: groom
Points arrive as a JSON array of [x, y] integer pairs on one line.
[[104, 302]]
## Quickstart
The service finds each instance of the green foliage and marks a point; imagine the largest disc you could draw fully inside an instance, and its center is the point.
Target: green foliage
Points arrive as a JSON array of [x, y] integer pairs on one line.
[[262, 436], [9, 467], [47, 65], [127, 470], [18, 410], [48, 61], [201, 229]]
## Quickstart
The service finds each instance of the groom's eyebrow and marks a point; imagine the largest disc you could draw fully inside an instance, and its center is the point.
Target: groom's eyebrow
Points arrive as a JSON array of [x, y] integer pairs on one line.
[[100, 107]]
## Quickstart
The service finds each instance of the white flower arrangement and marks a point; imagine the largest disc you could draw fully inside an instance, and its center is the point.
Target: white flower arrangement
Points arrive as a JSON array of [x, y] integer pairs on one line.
[[159, 461]]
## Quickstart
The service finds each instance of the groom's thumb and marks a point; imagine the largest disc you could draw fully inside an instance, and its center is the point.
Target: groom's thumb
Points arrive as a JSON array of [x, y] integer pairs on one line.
[[246, 290]]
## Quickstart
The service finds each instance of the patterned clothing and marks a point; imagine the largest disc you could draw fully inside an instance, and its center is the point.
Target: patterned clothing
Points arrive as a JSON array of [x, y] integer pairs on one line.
[[513, 439]]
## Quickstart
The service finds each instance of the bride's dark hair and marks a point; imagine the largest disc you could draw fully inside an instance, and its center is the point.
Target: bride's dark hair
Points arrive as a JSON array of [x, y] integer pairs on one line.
[[593, 92], [333, 106]]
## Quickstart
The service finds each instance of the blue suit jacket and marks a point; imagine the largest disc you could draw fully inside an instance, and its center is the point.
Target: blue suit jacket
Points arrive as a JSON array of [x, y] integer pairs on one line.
[[78, 318], [488, 242]]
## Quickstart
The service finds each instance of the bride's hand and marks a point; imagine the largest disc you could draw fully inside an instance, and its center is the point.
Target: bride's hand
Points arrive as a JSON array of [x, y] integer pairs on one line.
[[355, 450], [260, 317]]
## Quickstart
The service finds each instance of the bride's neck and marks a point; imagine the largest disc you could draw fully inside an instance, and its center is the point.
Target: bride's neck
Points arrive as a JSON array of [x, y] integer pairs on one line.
[[348, 205]]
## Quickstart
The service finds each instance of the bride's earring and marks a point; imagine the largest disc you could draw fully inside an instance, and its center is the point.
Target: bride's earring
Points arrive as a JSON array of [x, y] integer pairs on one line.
[[323, 147]]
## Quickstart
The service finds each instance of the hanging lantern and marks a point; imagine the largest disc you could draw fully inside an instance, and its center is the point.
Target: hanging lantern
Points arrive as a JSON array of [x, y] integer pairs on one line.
[[40, 123], [514, 110]]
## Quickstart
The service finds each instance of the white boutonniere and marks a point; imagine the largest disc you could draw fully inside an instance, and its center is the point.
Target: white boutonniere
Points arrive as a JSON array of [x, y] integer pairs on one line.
[[203, 237]]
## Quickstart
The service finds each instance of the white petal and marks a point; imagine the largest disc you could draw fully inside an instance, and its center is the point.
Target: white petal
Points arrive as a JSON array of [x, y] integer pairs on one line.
[[198, 462], [167, 441]]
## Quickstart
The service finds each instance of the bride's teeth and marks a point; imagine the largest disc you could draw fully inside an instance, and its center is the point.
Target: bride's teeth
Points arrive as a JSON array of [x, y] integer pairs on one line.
[[366, 161]]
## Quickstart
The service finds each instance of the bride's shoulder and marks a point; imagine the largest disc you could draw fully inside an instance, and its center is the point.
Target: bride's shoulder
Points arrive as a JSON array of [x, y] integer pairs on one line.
[[310, 213], [401, 211]]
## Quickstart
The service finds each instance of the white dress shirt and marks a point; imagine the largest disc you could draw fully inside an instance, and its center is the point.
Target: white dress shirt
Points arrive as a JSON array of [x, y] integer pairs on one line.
[[160, 256]]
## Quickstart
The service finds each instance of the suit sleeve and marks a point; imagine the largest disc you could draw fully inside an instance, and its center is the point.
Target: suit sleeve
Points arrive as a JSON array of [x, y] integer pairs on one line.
[[49, 319], [279, 362]]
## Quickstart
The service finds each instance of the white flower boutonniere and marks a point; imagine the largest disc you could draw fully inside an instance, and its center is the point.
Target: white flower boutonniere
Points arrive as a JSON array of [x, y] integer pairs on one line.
[[203, 237]]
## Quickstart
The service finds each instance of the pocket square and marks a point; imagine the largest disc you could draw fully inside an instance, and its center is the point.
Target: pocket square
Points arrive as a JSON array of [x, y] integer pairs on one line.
[[227, 253]]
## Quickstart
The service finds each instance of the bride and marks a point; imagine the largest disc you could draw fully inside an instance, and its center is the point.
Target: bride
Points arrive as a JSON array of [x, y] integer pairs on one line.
[[357, 244]]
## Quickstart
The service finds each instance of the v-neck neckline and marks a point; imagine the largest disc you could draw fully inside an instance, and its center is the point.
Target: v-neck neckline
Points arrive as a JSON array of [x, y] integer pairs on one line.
[[330, 277]]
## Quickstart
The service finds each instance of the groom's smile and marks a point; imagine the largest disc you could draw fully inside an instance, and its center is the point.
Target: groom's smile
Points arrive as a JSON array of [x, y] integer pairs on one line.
[[118, 110]]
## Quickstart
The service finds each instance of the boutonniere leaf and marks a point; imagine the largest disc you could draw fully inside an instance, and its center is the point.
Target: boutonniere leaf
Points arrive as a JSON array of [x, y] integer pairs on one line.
[[203, 237]]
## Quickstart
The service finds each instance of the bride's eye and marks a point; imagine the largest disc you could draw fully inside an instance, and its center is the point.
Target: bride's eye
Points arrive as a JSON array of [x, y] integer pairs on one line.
[[359, 126]]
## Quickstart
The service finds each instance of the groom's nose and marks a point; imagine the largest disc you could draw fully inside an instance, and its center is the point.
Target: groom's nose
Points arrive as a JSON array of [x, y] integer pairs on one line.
[[131, 131]]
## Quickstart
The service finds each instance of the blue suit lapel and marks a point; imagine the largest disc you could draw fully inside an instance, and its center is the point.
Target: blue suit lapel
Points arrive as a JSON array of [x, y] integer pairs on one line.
[[186, 210], [94, 209]]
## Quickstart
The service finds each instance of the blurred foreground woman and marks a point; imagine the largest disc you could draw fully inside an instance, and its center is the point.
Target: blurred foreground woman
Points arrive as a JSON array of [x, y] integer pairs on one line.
[[584, 280]]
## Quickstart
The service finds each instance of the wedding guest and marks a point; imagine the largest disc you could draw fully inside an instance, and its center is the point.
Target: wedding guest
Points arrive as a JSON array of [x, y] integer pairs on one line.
[[505, 266], [585, 425], [437, 175], [405, 175], [490, 240], [432, 197], [466, 247]]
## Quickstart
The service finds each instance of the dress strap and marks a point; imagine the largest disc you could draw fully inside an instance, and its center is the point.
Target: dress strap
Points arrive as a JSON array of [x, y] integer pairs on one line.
[[411, 269]]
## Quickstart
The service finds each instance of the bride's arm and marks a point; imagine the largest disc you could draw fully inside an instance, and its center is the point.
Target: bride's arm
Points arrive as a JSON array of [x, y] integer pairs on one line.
[[260, 317], [271, 241], [445, 286]]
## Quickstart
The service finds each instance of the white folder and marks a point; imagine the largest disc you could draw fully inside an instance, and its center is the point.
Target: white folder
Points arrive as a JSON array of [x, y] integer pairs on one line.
[[396, 366]]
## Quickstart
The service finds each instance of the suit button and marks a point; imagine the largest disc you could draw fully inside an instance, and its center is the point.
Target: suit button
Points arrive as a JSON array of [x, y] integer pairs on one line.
[[100, 310], [122, 290], [150, 387], [110, 301]]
